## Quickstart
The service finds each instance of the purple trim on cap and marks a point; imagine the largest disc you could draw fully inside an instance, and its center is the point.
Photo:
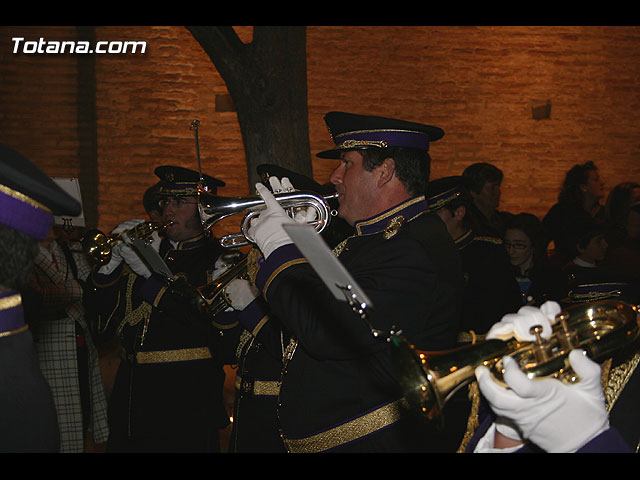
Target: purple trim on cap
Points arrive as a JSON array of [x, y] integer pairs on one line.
[[392, 138], [20, 215], [11, 317]]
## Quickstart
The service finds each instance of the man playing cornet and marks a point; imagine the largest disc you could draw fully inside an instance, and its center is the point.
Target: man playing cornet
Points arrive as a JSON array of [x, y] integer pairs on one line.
[[338, 392], [167, 394]]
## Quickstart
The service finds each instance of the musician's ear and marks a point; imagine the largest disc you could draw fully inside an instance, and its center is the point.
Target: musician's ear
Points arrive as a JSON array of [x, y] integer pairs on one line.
[[385, 171]]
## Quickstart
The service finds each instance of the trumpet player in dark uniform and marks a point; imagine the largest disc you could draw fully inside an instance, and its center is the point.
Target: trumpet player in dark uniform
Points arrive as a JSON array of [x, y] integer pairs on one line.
[[167, 394], [338, 390], [491, 289], [28, 201], [263, 339]]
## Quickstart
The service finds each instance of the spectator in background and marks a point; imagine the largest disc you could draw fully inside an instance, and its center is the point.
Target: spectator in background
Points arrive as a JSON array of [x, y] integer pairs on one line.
[[622, 212], [66, 352], [589, 252], [579, 198], [525, 243], [483, 181], [616, 209]]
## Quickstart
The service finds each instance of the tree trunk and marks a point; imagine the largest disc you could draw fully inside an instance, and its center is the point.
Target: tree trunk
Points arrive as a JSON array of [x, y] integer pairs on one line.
[[267, 81]]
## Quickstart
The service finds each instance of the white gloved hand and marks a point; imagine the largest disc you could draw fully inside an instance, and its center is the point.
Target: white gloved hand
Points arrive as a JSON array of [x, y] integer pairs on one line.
[[305, 215], [155, 241], [126, 225], [135, 262], [220, 267], [555, 416], [241, 293], [518, 325], [551, 310], [266, 229], [508, 428], [114, 261], [123, 250]]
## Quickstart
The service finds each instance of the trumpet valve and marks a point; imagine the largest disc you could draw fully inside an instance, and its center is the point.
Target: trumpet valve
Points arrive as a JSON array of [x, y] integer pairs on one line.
[[565, 336], [541, 348]]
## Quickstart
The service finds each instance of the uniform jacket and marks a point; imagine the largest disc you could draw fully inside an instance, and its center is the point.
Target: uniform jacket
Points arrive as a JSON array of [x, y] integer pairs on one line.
[[28, 420], [339, 390], [491, 289], [169, 384], [258, 354]]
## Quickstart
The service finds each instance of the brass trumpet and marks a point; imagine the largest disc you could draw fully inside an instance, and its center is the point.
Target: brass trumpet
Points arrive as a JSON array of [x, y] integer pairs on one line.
[[214, 208], [212, 296], [429, 379], [98, 246]]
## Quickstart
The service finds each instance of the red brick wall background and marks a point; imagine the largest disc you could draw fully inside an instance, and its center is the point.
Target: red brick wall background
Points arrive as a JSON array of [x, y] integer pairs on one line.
[[478, 83]]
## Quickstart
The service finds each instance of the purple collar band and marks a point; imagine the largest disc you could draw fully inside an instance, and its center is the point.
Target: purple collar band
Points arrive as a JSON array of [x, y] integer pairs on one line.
[[407, 210], [382, 138], [22, 213]]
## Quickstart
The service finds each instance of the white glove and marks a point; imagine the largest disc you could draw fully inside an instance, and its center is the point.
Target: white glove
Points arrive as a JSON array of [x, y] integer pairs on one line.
[[114, 261], [508, 428], [131, 258], [155, 241], [126, 225], [518, 325], [555, 416], [220, 267], [551, 310], [241, 293], [305, 215], [124, 250], [266, 229]]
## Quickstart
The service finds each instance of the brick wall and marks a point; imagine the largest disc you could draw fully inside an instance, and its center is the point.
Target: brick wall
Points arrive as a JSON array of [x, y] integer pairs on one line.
[[480, 84]]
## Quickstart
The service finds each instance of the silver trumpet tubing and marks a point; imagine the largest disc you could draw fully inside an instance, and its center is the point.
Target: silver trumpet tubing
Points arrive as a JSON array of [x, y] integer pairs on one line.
[[214, 208]]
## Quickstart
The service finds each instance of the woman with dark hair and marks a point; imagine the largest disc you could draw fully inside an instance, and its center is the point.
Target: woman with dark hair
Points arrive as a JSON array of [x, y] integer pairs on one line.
[[525, 243], [579, 197]]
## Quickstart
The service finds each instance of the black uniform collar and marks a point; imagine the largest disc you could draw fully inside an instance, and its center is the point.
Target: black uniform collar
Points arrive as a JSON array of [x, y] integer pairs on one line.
[[465, 239], [391, 220], [191, 243]]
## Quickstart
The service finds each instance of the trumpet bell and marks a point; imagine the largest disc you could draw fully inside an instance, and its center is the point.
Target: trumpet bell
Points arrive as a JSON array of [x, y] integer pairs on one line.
[[429, 379], [97, 246]]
